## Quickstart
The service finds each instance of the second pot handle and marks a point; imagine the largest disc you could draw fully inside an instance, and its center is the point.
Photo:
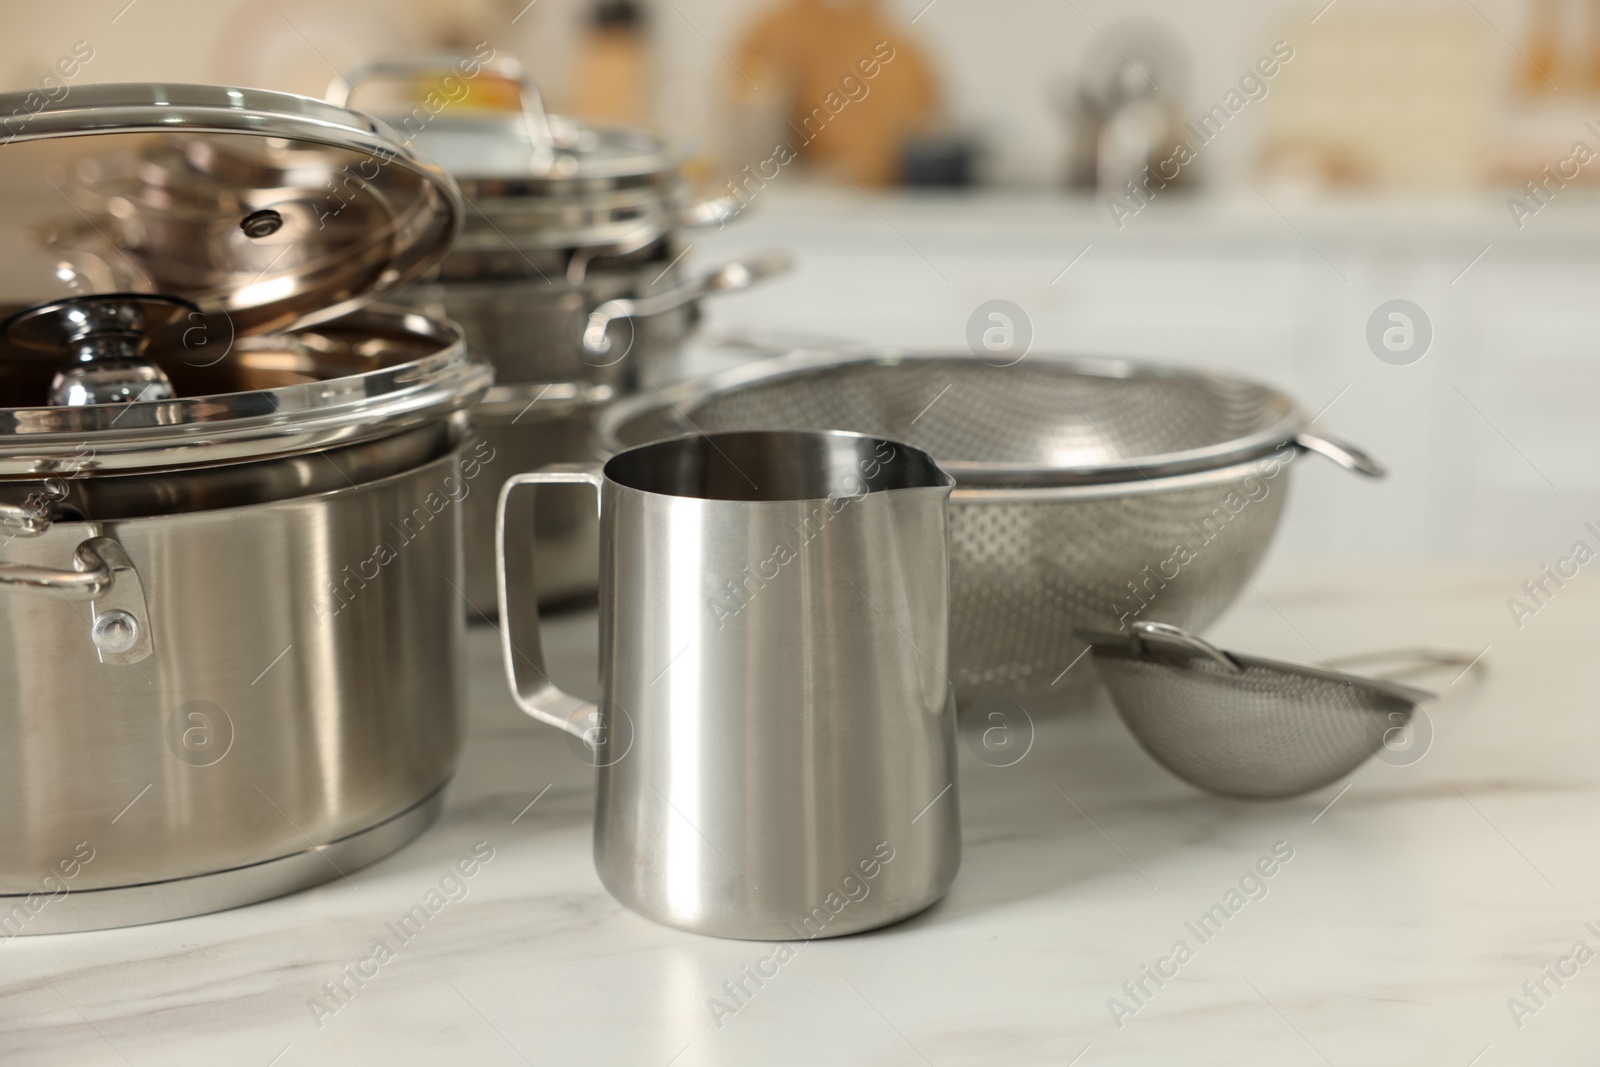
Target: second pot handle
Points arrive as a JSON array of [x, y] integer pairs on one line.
[[728, 278], [536, 121], [531, 686]]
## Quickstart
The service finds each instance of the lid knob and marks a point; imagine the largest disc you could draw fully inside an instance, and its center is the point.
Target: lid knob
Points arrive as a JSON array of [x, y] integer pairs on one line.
[[102, 340]]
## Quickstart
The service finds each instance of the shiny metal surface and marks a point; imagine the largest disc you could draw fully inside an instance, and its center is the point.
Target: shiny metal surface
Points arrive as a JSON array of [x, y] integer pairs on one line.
[[304, 685], [67, 909], [728, 278], [103, 343], [538, 182], [533, 124], [370, 374], [533, 332], [272, 209], [1243, 726], [1044, 538], [775, 739], [526, 428], [89, 577]]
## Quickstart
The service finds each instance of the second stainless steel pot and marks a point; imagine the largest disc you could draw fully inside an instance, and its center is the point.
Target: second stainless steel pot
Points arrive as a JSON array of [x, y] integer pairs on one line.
[[569, 269]]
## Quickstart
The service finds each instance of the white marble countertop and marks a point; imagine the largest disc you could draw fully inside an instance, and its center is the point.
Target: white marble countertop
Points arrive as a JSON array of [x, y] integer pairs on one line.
[[1416, 902]]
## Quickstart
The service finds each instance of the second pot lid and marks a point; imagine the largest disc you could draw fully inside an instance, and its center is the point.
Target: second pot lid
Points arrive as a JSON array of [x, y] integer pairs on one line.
[[533, 180], [493, 155], [290, 211]]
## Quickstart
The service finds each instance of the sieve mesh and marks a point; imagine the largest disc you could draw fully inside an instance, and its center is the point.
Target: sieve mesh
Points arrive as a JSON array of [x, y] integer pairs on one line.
[[1265, 732], [1033, 414]]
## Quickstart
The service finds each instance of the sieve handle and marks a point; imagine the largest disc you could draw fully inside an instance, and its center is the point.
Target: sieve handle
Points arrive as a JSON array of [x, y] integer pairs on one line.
[[531, 686], [1345, 455], [1162, 633], [1411, 661]]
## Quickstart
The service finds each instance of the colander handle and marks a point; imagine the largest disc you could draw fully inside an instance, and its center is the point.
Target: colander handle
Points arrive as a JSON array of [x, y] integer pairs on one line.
[[1345, 455], [531, 686]]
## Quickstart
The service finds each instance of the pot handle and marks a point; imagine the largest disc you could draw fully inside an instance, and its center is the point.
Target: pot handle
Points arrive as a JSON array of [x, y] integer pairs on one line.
[[537, 120], [728, 278], [715, 210], [531, 686], [1345, 455], [90, 576], [119, 614]]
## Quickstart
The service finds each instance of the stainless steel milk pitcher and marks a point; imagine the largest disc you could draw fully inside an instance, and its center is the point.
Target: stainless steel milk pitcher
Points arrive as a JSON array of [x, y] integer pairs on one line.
[[775, 735]]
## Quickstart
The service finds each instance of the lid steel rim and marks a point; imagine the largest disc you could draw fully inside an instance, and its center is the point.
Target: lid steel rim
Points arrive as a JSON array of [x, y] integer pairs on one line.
[[266, 436], [433, 220]]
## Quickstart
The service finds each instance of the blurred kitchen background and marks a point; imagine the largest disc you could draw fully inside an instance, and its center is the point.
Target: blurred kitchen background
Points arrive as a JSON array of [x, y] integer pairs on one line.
[[1344, 155]]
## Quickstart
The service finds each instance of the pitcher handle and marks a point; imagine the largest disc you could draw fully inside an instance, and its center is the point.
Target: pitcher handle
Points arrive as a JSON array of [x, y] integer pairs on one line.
[[531, 686]]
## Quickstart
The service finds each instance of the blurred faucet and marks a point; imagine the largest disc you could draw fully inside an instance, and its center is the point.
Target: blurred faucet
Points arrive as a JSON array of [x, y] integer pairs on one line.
[[1124, 107]]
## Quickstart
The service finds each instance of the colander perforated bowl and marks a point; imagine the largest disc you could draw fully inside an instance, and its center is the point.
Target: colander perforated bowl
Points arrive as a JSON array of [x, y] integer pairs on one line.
[[1090, 493]]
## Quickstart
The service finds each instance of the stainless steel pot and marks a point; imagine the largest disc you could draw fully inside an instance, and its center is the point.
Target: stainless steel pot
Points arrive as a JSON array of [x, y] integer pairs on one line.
[[545, 412], [232, 606], [569, 269]]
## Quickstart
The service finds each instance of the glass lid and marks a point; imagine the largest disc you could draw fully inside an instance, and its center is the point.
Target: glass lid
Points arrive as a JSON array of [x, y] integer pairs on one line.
[[373, 373], [526, 152], [271, 210]]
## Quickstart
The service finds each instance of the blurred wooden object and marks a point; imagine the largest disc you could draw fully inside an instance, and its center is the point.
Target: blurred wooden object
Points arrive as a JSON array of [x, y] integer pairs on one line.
[[817, 55], [612, 80], [1591, 58], [1543, 51], [1387, 98]]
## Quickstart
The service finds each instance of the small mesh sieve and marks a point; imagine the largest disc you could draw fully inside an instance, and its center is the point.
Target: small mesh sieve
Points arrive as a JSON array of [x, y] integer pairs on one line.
[[1243, 726]]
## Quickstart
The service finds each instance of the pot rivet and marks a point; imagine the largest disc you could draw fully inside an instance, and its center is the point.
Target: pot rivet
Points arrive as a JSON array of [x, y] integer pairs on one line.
[[116, 631], [263, 223]]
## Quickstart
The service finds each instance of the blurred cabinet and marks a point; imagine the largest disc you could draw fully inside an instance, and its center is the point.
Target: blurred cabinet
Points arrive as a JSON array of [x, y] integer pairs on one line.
[[1476, 432]]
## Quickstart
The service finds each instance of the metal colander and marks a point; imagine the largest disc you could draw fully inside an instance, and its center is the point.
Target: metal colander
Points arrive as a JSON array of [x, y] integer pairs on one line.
[[1242, 726], [1077, 484], [1029, 423]]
